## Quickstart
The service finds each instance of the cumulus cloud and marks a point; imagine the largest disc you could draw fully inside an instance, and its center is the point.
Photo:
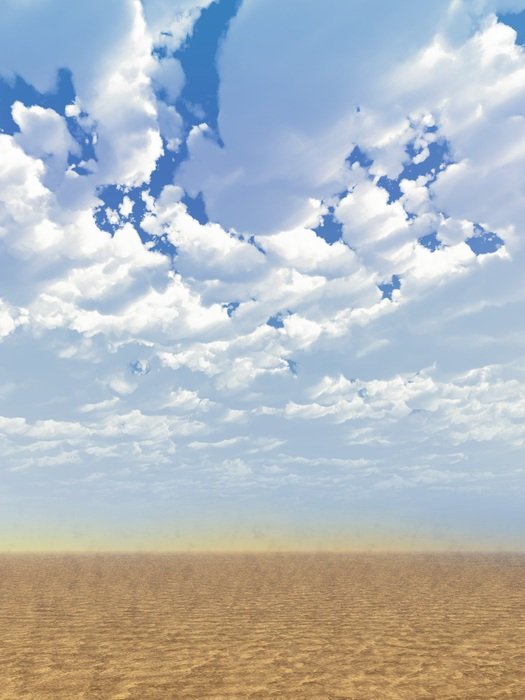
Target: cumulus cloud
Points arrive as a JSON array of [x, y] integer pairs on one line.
[[283, 143]]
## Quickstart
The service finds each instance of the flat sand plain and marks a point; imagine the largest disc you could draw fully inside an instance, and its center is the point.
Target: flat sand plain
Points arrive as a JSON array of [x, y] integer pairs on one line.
[[363, 626]]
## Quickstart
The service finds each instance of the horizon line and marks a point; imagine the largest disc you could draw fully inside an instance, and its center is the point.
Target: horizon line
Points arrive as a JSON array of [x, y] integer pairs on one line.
[[255, 551]]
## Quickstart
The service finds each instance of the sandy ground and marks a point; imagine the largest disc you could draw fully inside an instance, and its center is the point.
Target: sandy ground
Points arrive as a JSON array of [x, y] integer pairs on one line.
[[262, 626]]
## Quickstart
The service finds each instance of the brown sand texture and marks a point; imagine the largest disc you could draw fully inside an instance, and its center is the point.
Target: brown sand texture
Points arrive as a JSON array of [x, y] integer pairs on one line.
[[363, 626]]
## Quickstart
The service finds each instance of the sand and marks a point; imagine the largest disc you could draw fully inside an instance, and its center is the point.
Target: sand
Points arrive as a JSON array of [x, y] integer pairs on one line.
[[363, 626]]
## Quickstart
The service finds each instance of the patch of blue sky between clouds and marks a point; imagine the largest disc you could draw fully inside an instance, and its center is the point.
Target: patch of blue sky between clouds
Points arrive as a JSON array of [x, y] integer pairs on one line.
[[484, 242], [198, 101], [430, 241], [330, 229], [61, 99], [423, 160], [231, 307], [388, 288], [120, 205], [392, 187], [360, 157], [277, 320], [436, 158], [197, 104], [516, 20], [17, 89], [196, 207]]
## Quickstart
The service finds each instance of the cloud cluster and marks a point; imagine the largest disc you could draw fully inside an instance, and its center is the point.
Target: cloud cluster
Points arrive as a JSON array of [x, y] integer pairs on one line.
[[251, 352]]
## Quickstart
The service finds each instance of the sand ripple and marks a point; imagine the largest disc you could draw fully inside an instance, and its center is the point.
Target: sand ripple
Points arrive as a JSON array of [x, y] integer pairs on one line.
[[361, 627]]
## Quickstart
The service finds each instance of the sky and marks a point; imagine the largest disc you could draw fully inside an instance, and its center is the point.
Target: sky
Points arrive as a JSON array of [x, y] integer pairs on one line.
[[261, 274]]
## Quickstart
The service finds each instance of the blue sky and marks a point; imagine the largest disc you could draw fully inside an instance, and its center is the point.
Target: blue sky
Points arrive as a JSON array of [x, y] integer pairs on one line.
[[262, 274]]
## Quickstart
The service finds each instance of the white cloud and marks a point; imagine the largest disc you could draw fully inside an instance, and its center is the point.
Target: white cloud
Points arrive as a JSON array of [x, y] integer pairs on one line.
[[203, 251], [187, 401], [174, 18], [106, 405], [287, 142], [107, 51], [44, 135]]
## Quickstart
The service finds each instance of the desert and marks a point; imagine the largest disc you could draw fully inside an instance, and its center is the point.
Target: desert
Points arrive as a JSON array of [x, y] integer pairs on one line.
[[283, 625]]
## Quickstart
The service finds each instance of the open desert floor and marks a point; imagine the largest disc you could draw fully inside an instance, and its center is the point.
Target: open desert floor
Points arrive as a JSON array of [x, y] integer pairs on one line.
[[363, 626]]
